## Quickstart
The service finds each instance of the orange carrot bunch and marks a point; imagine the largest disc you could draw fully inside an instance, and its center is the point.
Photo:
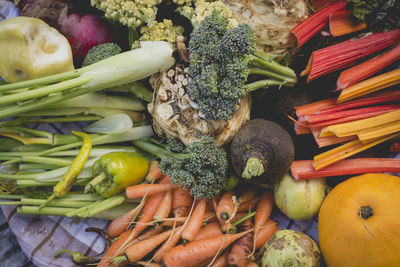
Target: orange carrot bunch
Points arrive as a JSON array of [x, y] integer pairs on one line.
[[195, 235]]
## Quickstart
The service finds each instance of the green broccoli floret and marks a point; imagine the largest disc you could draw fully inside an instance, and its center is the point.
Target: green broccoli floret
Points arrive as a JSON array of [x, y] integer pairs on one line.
[[200, 166], [221, 59], [132, 13], [100, 52]]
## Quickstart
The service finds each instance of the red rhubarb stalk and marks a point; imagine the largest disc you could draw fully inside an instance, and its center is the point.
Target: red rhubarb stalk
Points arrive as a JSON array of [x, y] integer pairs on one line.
[[378, 98], [300, 128], [343, 22], [355, 117], [368, 68], [344, 54], [318, 4], [302, 170], [315, 118], [314, 107], [395, 147], [316, 22]]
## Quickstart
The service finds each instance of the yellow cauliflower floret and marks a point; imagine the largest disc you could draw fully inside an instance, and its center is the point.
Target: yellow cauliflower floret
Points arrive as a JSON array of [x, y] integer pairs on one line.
[[183, 2], [132, 13], [161, 31], [204, 9]]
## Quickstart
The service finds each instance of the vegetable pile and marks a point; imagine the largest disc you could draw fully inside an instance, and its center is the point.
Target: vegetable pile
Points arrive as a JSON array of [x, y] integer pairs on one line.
[[191, 123]]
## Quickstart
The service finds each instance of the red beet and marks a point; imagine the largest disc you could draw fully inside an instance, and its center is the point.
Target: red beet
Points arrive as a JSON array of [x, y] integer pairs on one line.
[[82, 32]]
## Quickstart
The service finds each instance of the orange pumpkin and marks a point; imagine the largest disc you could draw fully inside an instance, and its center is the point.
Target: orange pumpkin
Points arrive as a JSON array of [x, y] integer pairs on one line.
[[359, 222]]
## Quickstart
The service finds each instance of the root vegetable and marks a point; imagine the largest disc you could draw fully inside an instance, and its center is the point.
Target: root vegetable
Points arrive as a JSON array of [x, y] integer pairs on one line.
[[176, 114], [262, 152], [272, 21], [291, 248], [198, 251], [82, 32], [299, 200], [241, 249]]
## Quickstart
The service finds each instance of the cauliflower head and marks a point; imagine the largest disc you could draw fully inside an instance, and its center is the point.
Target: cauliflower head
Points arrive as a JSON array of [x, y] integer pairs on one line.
[[197, 10], [132, 13], [161, 31]]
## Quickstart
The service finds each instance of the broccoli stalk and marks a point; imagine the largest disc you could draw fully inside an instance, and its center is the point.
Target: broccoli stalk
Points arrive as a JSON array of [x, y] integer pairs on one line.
[[221, 60], [200, 166]]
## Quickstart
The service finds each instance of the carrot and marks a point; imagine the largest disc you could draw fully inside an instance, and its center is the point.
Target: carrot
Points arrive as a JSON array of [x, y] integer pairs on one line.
[[149, 209], [265, 232], [118, 243], [148, 264], [174, 238], [263, 211], [138, 191], [181, 202], [241, 249], [165, 207], [154, 172], [168, 245], [226, 206], [221, 261], [120, 224], [198, 251], [140, 249], [106, 261], [195, 221], [246, 196], [173, 221], [248, 206], [208, 230], [225, 226]]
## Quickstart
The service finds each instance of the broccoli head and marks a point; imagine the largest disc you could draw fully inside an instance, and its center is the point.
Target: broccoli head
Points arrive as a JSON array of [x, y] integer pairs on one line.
[[199, 166], [100, 52], [132, 13], [221, 59]]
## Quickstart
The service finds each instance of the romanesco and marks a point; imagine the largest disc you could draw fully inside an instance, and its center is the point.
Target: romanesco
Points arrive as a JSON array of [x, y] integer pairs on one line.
[[132, 13]]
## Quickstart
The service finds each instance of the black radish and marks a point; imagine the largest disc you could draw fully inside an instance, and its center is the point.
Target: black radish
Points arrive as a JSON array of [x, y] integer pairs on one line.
[[262, 152]]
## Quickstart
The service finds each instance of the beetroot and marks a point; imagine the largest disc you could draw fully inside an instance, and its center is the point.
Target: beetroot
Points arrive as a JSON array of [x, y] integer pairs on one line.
[[83, 32]]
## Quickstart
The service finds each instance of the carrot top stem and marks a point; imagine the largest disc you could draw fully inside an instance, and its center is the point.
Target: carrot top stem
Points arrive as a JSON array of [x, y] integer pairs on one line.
[[244, 218]]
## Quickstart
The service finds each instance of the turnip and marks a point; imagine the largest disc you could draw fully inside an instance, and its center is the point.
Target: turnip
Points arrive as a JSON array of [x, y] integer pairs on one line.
[[291, 248], [299, 200], [262, 152]]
